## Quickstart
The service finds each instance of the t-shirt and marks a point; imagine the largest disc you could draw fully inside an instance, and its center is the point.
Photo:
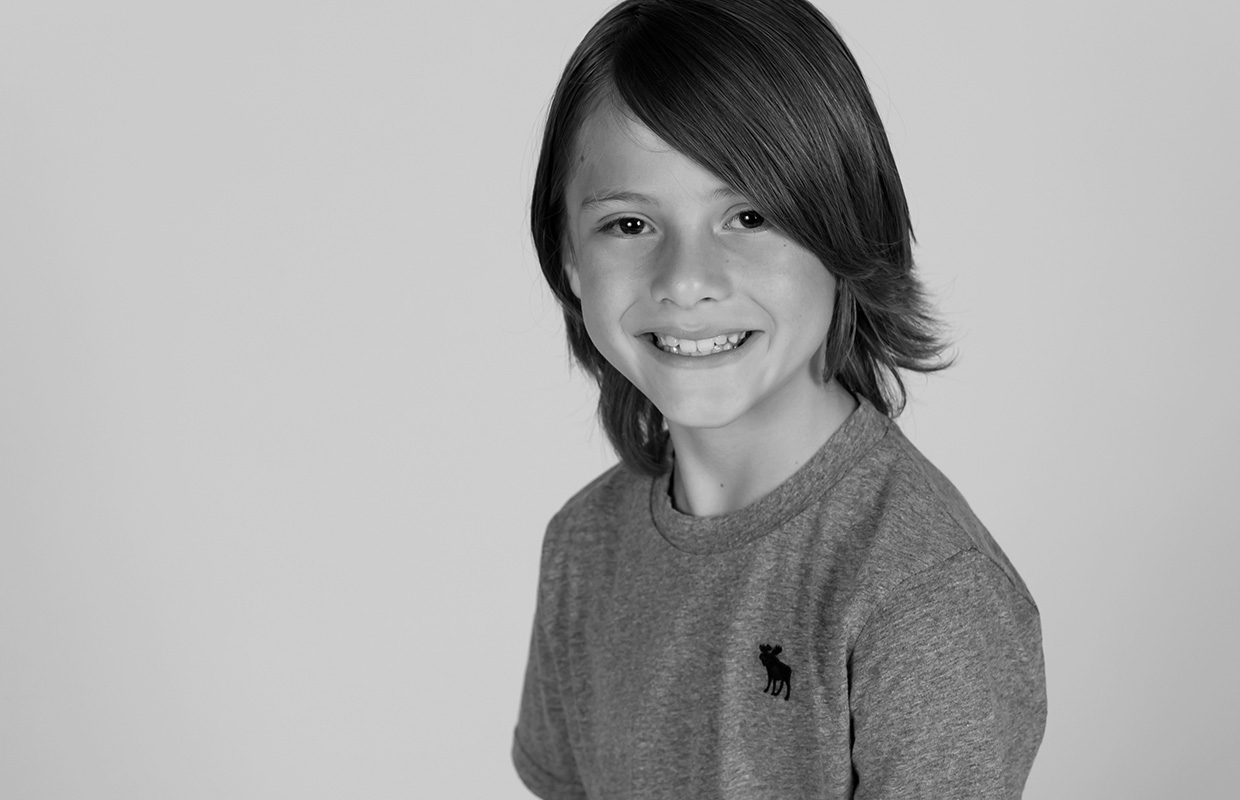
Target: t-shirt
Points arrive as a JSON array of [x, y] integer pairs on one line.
[[856, 633]]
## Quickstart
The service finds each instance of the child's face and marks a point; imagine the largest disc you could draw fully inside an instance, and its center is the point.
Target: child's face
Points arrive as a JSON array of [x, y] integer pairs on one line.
[[659, 246]]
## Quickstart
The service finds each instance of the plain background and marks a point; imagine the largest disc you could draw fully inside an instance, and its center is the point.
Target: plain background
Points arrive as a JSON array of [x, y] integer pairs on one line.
[[285, 405]]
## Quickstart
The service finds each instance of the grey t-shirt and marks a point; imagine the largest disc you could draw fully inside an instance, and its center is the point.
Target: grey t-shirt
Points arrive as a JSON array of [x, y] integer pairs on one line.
[[856, 633]]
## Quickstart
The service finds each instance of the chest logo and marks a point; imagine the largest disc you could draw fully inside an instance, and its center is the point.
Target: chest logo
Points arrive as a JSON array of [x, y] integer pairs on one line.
[[778, 674]]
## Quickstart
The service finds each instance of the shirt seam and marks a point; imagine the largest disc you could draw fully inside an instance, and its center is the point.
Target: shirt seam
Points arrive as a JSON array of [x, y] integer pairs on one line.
[[777, 525], [883, 605], [948, 507]]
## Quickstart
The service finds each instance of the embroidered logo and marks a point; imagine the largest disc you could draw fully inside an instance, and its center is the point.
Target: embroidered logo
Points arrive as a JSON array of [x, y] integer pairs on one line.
[[778, 674]]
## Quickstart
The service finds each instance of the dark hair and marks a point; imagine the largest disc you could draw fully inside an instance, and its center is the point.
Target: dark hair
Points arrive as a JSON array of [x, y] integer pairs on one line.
[[764, 94]]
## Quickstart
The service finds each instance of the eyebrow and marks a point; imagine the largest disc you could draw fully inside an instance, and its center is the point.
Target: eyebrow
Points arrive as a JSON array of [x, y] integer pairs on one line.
[[620, 196], [608, 196]]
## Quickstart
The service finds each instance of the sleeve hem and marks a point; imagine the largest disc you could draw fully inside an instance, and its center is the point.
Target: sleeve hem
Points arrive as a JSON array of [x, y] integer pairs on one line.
[[542, 783]]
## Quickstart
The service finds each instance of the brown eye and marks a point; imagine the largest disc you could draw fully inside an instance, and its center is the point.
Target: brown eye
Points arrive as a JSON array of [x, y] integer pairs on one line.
[[629, 226], [750, 220]]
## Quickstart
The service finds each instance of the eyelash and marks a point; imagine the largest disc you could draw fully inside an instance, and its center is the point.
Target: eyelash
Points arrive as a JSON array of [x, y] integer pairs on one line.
[[764, 224], [613, 225]]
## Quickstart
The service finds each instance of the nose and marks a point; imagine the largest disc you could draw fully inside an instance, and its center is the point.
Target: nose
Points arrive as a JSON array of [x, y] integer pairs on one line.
[[691, 267]]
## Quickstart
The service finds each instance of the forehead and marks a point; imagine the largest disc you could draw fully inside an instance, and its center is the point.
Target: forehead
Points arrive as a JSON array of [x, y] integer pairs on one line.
[[616, 153], [607, 127]]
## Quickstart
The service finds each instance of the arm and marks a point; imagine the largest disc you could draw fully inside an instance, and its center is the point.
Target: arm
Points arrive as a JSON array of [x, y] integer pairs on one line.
[[948, 692], [542, 751]]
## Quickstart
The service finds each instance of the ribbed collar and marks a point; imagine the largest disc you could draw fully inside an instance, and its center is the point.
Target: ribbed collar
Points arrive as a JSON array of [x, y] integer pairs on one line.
[[863, 429]]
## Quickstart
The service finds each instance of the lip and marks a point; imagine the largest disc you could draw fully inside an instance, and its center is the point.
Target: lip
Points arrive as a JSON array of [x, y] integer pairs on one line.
[[700, 362], [695, 333]]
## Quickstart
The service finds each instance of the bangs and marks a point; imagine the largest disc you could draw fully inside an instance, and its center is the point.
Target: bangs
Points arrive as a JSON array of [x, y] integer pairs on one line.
[[748, 98]]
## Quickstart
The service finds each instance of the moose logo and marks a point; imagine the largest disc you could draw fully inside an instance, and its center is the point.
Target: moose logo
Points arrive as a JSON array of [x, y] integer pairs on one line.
[[778, 674]]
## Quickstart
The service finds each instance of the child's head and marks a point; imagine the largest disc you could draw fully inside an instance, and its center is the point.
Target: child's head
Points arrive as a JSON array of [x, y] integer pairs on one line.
[[764, 95]]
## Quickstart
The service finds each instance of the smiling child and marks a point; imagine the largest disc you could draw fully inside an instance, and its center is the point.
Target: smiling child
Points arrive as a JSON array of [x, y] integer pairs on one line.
[[774, 594]]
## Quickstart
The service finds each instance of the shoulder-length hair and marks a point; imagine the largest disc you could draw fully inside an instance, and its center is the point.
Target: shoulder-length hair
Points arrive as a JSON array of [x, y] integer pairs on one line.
[[765, 95]]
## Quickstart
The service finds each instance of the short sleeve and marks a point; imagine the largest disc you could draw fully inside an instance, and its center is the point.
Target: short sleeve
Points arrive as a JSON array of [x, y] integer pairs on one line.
[[948, 691], [542, 751]]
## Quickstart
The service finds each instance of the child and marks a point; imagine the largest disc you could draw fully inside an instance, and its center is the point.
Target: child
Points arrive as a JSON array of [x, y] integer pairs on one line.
[[774, 595]]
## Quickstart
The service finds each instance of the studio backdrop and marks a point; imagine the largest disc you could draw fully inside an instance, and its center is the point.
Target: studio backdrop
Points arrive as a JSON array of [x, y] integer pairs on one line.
[[285, 404]]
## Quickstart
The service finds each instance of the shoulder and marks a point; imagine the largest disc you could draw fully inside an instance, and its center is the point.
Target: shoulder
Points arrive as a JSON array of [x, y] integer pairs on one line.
[[616, 494], [915, 524], [589, 522]]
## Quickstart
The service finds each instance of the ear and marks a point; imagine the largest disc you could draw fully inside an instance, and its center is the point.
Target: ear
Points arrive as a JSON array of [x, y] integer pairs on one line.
[[570, 270]]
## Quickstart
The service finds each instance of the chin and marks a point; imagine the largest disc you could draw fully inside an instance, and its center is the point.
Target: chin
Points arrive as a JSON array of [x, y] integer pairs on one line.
[[704, 414]]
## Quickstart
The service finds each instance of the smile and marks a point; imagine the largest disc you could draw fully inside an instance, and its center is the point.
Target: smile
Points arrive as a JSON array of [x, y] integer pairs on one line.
[[696, 348]]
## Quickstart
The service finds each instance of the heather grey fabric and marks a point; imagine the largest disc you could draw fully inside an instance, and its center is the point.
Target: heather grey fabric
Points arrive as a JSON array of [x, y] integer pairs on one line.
[[910, 649]]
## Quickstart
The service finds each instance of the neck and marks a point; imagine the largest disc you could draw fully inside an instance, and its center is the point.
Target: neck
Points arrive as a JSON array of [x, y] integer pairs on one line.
[[718, 470]]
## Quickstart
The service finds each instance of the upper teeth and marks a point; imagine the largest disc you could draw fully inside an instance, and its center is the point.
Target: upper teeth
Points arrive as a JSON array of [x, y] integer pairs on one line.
[[691, 346]]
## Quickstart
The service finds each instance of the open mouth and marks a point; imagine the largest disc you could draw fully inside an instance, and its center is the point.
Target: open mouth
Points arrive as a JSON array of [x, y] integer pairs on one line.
[[700, 347]]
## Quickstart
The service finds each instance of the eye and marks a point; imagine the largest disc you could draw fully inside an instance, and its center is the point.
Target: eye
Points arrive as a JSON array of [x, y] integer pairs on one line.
[[748, 219], [626, 226]]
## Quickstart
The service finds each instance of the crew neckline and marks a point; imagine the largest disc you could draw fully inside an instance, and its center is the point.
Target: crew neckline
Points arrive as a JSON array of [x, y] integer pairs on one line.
[[863, 429]]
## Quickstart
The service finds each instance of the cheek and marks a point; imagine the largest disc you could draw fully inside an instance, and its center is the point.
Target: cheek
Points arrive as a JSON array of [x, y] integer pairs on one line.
[[804, 289], [594, 297], [601, 307], [826, 298], [607, 290], [817, 288]]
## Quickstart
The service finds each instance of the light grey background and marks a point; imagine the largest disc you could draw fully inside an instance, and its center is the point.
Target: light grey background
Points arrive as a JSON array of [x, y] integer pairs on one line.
[[285, 406]]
